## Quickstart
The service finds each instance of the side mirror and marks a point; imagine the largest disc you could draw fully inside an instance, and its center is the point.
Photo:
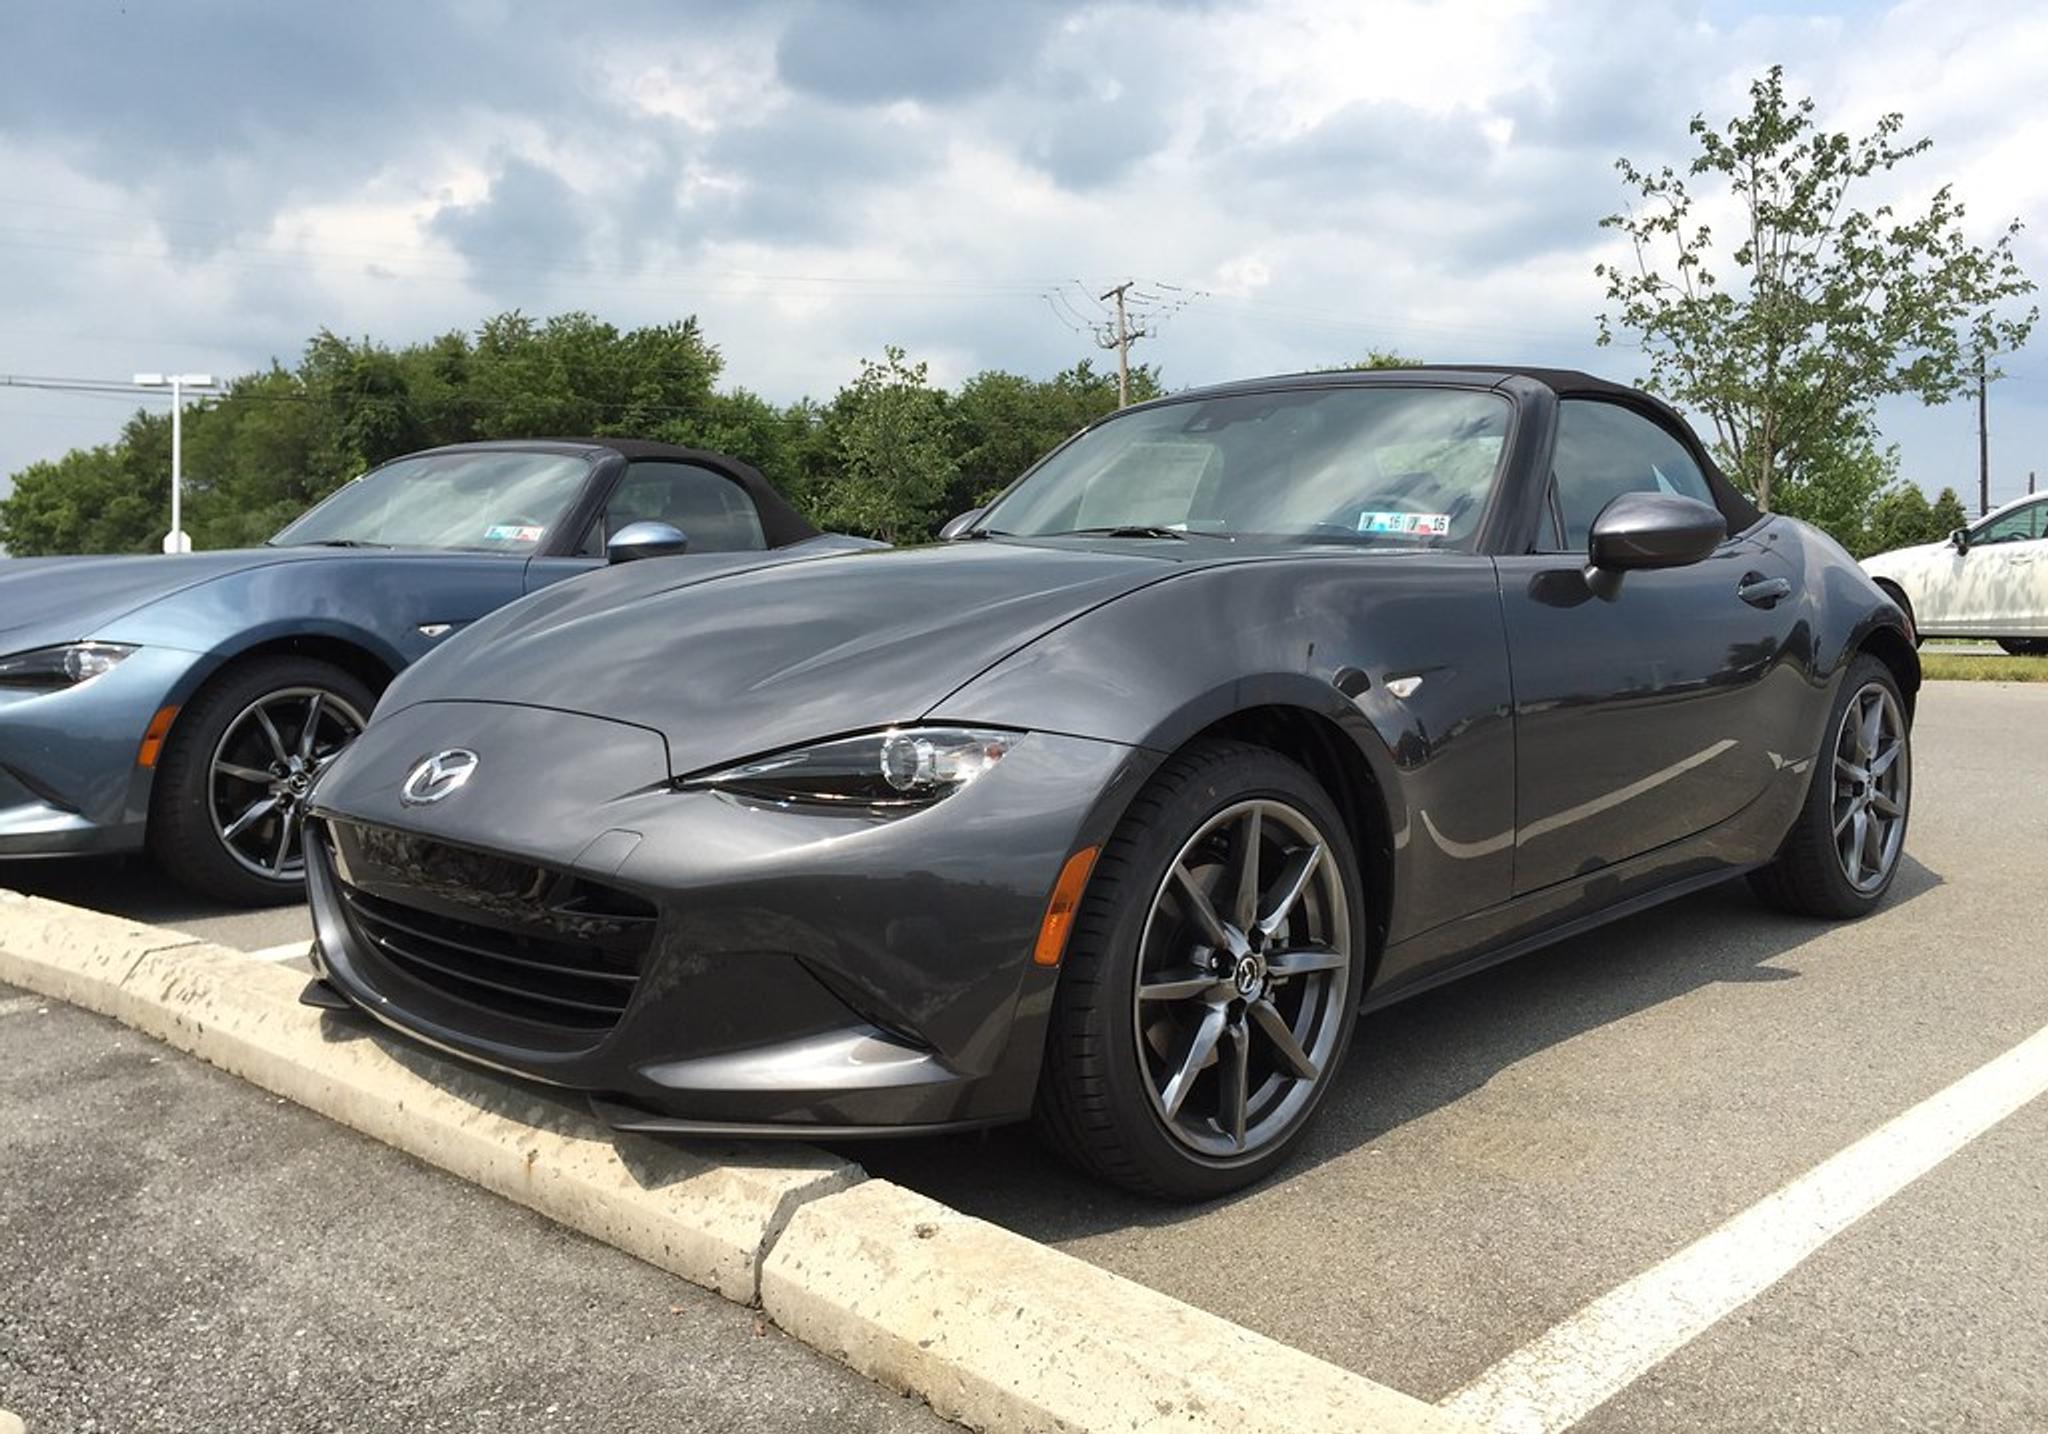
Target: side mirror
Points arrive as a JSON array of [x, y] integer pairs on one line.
[[1959, 539], [1650, 530], [959, 524], [645, 539]]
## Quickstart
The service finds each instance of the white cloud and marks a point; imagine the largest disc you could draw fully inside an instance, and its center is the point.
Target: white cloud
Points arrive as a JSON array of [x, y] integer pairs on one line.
[[815, 182]]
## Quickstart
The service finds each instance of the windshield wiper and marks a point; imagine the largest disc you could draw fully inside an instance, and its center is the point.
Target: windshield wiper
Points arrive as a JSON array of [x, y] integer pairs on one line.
[[1123, 530], [340, 543]]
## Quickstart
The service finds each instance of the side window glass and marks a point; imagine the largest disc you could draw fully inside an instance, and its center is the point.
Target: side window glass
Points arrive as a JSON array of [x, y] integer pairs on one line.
[[2019, 526], [1604, 451], [714, 512]]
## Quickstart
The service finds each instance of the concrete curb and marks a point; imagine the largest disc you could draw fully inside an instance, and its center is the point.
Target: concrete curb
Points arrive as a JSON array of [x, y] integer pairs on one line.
[[705, 1214], [992, 1329], [1002, 1333], [11, 1423]]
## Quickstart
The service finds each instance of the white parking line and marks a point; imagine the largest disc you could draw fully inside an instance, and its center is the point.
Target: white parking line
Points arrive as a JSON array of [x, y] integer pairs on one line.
[[1564, 1374], [289, 951]]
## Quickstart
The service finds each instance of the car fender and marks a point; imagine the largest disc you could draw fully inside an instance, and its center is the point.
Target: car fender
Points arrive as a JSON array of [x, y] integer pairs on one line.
[[1405, 655]]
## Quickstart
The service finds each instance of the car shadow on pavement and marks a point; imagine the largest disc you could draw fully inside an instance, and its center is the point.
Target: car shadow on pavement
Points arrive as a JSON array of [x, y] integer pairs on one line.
[[129, 886], [1409, 1060]]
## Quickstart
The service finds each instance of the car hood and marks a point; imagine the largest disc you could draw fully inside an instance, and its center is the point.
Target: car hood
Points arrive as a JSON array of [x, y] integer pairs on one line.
[[50, 600], [747, 658], [44, 601]]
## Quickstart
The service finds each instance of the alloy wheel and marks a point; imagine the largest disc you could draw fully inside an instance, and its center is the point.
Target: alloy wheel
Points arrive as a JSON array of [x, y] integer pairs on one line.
[[263, 767], [1244, 966], [1873, 784]]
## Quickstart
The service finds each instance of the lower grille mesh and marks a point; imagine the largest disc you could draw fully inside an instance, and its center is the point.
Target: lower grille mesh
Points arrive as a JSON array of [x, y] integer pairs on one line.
[[543, 946]]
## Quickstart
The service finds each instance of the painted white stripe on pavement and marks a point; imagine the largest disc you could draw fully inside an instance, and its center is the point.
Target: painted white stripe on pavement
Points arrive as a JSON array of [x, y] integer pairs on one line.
[[290, 951], [15, 1005], [1561, 1376]]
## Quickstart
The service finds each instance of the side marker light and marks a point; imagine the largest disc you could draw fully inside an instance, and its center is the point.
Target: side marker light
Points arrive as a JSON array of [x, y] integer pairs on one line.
[[1059, 912]]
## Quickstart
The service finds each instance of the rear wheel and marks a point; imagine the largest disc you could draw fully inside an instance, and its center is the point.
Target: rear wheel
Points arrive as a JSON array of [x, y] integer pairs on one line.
[[2025, 646], [225, 817], [1843, 851], [1212, 982]]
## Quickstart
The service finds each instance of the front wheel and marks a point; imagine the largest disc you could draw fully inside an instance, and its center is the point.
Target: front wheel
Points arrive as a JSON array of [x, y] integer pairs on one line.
[[1213, 979], [1843, 851], [225, 814], [2025, 646]]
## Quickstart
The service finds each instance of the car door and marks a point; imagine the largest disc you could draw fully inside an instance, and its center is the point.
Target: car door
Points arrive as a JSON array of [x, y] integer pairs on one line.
[[1649, 714], [1999, 585], [711, 510]]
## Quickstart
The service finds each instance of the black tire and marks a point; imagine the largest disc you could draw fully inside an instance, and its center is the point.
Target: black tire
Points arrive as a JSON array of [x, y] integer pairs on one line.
[[183, 835], [1809, 874], [1098, 1104], [2025, 646]]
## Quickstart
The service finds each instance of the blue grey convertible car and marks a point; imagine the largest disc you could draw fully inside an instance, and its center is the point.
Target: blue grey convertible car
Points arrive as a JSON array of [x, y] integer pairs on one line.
[[186, 703]]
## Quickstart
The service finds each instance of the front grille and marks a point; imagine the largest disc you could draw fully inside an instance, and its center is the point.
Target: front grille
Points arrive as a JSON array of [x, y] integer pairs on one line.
[[503, 937]]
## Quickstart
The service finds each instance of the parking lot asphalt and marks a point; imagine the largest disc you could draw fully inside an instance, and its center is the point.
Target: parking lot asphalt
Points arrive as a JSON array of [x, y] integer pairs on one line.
[[180, 1251], [133, 887], [1505, 1150]]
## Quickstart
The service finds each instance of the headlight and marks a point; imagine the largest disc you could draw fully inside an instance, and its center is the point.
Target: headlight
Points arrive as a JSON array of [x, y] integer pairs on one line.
[[902, 767], [51, 669]]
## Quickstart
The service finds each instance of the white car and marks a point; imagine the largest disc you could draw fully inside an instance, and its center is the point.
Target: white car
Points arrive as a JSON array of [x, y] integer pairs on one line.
[[1987, 580]]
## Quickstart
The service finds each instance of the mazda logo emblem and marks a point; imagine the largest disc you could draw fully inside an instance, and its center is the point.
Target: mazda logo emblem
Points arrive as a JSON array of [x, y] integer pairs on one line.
[[441, 775]]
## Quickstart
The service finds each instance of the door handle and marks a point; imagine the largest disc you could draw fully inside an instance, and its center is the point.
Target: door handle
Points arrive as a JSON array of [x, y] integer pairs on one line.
[[1760, 591]]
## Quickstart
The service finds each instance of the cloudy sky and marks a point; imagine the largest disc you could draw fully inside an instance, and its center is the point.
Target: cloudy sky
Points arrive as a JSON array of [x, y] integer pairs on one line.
[[201, 185]]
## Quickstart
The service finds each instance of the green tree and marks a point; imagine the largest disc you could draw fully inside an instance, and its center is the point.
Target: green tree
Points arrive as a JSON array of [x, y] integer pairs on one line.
[[890, 454], [1825, 307], [1899, 518], [1833, 487], [1949, 514], [1005, 422], [256, 459], [114, 498], [895, 448]]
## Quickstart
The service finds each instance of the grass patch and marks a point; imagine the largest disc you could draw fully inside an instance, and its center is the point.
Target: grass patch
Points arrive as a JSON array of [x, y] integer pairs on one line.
[[1992, 667]]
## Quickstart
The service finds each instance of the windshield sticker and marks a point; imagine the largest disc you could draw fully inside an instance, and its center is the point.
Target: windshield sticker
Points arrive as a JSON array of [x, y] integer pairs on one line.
[[1408, 525], [511, 533], [1149, 482]]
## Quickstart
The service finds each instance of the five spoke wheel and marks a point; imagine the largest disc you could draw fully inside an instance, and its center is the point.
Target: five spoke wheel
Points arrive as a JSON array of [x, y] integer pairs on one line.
[[1871, 792], [1244, 972], [262, 768]]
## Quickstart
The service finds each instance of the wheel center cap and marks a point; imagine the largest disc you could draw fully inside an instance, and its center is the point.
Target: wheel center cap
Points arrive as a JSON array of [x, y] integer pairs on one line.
[[1249, 976]]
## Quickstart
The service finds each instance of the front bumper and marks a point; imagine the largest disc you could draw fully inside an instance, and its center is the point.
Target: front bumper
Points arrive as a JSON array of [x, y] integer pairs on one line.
[[69, 783], [796, 972]]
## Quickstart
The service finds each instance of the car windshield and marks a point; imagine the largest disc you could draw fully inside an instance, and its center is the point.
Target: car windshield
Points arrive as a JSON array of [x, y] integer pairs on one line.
[[1380, 466], [490, 502]]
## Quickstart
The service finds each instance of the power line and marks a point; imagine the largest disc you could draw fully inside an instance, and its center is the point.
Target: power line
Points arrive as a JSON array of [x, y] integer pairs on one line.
[[1118, 317]]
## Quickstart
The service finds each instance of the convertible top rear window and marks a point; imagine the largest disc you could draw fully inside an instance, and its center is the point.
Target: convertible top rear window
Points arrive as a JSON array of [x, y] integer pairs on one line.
[[1381, 466]]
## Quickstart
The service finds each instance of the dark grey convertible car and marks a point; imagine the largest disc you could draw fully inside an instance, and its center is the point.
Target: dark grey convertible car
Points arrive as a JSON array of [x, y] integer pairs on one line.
[[1242, 711], [188, 702]]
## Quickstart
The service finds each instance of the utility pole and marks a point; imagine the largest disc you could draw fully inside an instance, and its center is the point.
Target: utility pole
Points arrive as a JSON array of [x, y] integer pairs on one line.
[[2030, 482], [1983, 444], [176, 541], [1118, 317], [1123, 345]]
